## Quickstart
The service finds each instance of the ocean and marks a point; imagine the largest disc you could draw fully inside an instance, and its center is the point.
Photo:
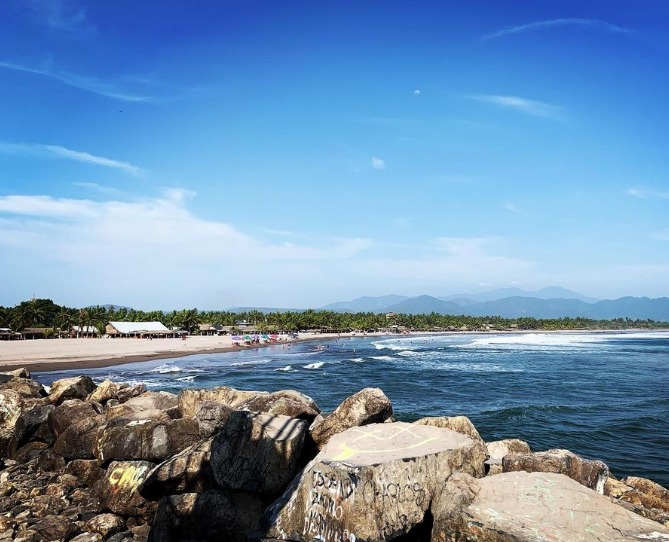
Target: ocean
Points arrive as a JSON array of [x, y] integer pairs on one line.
[[601, 395]]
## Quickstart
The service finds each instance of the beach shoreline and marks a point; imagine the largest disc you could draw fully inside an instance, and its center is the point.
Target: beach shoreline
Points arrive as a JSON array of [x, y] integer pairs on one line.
[[48, 355]]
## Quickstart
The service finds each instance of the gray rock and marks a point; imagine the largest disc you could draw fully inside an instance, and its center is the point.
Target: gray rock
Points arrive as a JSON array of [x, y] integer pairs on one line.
[[68, 412], [128, 392], [211, 417], [257, 452], [35, 420], [372, 483], [529, 507], [77, 387], [79, 439], [148, 439], [189, 471], [592, 474], [369, 405]]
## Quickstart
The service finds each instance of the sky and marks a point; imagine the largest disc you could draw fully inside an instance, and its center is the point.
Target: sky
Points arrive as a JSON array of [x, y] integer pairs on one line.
[[215, 154]]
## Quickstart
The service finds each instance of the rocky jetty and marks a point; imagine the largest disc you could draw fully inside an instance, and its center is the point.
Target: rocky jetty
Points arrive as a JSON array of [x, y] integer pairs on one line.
[[87, 462]]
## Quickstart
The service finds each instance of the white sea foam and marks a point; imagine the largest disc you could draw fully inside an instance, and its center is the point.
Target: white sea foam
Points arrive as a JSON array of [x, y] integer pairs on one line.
[[252, 362], [409, 353], [166, 368], [536, 340], [286, 369], [189, 378], [357, 360], [315, 365], [383, 358]]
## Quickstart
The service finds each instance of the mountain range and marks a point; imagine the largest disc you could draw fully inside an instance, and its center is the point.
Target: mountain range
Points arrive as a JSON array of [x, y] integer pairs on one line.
[[552, 302]]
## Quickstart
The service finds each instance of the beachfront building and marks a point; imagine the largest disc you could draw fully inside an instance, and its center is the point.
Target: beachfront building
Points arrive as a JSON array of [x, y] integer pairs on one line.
[[6, 334], [211, 329], [142, 330], [83, 331]]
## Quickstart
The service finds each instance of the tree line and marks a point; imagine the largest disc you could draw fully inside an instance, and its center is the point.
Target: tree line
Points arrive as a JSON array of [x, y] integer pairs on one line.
[[45, 313]]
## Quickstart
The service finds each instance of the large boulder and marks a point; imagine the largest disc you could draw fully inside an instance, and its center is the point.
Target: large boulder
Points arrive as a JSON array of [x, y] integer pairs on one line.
[[255, 401], [12, 428], [590, 473], [68, 412], [86, 470], [36, 423], [374, 482], [369, 405], [210, 515], [79, 439], [150, 400], [106, 390], [117, 490], [189, 471], [641, 496], [106, 524], [77, 387], [145, 438], [528, 507], [257, 452], [25, 387]]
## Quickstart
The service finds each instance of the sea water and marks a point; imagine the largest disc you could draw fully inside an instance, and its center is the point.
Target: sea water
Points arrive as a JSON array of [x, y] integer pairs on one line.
[[601, 395]]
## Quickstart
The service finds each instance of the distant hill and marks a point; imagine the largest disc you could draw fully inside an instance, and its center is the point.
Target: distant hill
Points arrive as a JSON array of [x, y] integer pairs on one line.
[[516, 306], [366, 304], [551, 292], [264, 310], [425, 304]]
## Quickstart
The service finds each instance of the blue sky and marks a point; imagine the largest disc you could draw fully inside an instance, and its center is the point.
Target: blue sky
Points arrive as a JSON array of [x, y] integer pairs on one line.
[[233, 153]]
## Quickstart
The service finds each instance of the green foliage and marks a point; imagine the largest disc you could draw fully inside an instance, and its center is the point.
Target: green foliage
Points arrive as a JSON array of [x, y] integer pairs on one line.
[[45, 313]]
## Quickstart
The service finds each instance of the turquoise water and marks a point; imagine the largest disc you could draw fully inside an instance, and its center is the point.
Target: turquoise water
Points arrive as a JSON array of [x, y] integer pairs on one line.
[[602, 395]]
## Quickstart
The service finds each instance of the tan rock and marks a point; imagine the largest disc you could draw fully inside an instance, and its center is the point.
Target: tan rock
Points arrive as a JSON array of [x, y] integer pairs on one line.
[[529, 507], [372, 483], [590, 473], [460, 424], [369, 405], [497, 449], [77, 387]]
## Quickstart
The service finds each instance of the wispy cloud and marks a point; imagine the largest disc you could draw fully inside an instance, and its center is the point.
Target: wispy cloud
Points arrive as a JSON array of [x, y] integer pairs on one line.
[[523, 105], [662, 235], [89, 84], [65, 15], [57, 151], [643, 193], [552, 23], [377, 163], [512, 207]]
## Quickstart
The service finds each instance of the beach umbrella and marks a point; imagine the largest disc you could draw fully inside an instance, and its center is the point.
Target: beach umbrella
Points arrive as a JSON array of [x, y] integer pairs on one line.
[[236, 338], [247, 337], [264, 336]]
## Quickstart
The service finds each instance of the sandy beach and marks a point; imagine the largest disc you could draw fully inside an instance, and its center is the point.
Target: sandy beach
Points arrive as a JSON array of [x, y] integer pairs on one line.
[[58, 354]]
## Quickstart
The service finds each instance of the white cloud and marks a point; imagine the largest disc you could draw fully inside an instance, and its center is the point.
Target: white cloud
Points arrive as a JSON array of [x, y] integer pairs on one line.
[[62, 152], [416, 92], [89, 84], [642, 193], [552, 23], [151, 249], [377, 163], [530, 107]]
